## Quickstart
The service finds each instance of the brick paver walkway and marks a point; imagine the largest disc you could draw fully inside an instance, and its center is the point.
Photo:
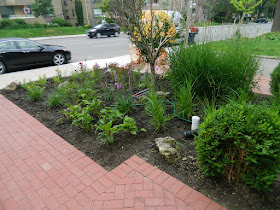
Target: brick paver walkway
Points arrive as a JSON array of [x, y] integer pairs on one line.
[[40, 170]]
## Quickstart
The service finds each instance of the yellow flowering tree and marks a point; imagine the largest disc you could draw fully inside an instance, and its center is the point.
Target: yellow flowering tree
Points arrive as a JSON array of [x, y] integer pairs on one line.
[[149, 30]]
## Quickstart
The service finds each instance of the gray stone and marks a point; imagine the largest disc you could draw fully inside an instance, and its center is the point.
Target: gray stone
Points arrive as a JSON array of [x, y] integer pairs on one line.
[[162, 94], [167, 148], [12, 86], [63, 84]]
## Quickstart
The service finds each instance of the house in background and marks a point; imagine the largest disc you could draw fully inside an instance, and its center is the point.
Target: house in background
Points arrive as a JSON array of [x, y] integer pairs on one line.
[[21, 9]]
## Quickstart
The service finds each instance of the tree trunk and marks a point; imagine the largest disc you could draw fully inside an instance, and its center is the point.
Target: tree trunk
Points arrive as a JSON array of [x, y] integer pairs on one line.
[[276, 19], [153, 76]]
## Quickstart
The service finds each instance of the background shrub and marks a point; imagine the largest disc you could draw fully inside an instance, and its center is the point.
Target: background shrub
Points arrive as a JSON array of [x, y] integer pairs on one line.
[[241, 142], [212, 74], [60, 21], [275, 81]]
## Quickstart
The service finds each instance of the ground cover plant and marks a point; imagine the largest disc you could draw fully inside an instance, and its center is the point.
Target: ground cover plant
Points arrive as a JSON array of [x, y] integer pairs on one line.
[[94, 110]]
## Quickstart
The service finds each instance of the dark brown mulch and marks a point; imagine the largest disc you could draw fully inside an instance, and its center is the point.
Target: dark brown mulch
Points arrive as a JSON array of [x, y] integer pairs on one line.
[[232, 196]]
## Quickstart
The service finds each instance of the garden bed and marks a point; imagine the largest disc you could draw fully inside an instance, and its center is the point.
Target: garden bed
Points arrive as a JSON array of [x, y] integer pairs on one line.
[[232, 196]]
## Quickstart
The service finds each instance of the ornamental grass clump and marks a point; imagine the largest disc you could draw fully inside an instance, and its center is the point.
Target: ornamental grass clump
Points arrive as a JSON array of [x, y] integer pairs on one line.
[[212, 73], [241, 142], [155, 107]]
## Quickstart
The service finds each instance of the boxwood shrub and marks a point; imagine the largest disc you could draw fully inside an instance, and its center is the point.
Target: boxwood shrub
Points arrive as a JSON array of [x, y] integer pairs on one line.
[[275, 81], [241, 142]]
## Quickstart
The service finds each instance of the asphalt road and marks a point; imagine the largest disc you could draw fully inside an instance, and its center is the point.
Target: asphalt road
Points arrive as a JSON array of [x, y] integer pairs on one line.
[[83, 48]]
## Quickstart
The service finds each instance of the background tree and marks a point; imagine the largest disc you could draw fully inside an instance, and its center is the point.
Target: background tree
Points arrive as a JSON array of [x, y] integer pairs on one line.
[[276, 20], [264, 8], [149, 31], [79, 12], [42, 8], [245, 6]]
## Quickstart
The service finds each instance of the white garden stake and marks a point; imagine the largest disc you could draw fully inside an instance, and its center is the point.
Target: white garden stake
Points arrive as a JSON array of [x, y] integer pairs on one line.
[[195, 122]]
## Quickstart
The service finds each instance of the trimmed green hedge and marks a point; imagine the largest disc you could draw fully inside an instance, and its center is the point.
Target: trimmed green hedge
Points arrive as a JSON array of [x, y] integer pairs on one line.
[[241, 142]]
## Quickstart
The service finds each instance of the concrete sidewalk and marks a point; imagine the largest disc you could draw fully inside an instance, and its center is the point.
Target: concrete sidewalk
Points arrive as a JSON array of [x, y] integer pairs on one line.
[[40, 170], [267, 66]]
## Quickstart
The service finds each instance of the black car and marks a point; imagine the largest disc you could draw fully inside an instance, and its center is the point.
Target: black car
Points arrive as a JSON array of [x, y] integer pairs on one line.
[[261, 20], [20, 53], [104, 29]]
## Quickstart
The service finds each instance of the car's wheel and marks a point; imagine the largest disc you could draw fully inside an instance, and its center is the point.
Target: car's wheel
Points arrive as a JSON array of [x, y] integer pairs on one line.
[[90, 36], [59, 59], [116, 34], [109, 35], [2, 68], [98, 35]]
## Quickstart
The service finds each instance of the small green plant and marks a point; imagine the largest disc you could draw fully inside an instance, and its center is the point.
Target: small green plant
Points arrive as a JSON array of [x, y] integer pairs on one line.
[[154, 106], [241, 142], [80, 116], [110, 124], [34, 91], [57, 79], [96, 74], [124, 103], [241, 97], [184, 101], [56, 99], [275, 81], [83, 114], [42, 81]]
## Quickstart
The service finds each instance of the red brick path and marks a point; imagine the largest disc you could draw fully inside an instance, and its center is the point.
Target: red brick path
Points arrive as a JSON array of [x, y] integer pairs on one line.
[[40, 170]]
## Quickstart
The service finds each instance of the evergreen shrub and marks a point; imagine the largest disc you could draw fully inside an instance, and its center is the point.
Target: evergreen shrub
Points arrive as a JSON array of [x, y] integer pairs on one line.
[[241, 142], [275, 81]]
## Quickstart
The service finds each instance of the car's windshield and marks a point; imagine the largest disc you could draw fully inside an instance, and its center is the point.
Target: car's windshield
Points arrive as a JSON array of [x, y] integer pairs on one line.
[[98, 26]]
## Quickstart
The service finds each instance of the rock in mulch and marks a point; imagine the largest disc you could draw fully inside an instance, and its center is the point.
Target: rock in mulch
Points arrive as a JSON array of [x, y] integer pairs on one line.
[[167, 148]]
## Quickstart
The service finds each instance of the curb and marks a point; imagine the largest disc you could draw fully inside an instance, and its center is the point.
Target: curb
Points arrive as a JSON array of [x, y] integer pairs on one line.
[[57, 37], [268, 57]]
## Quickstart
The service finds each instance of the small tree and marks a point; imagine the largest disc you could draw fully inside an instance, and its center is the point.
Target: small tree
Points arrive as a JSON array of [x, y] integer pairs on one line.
[[79, 12], [42, 8], [150, 31], [245, 6]]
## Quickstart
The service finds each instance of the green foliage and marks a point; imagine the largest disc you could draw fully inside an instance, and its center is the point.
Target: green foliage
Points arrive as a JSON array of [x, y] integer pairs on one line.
[[13, 24], [83, 114], [35, 92], [156, 109], [110, 123], [275, 81], [211, 73], [79, 12], [124, 103], [42, 81], [60, 22], [56, 99], [273, 36], [241, 97], [241, 142], [42, 8], [184, 101], [245, 6], [57, 79]]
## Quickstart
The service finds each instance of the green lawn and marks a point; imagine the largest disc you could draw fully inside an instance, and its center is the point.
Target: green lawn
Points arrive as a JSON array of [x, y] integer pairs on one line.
[[266, 44], [39, 32]]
